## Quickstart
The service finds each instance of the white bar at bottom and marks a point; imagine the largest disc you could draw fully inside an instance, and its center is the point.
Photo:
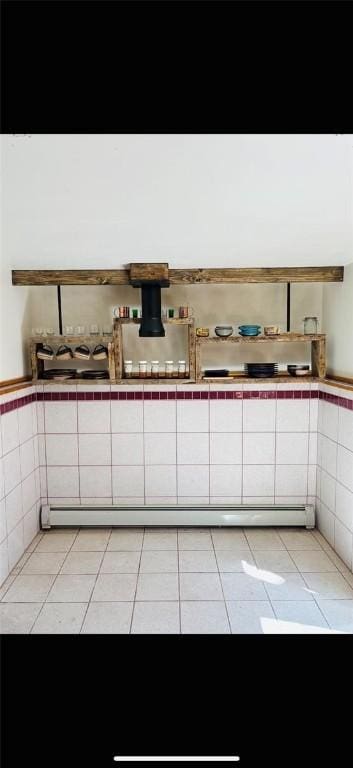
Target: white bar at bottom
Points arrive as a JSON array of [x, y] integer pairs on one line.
[[232, 758]]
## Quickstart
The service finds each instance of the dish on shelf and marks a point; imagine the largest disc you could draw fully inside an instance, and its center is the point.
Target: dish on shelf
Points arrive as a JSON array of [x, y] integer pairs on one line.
[[298, 370], [271, 330], [93, 374], [249, 333], [261, 370], [223, 330], [210, 373], [59, 374], [249, 327]]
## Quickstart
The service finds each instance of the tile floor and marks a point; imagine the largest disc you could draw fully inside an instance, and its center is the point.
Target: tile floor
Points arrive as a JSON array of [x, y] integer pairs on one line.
[[203, 581]]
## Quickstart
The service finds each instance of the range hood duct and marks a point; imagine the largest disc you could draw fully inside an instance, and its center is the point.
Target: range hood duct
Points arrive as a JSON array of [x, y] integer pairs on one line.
[[151, 323]]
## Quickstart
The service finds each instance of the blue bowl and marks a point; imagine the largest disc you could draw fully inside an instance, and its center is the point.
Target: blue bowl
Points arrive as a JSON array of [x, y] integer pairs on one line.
[[249, 327]]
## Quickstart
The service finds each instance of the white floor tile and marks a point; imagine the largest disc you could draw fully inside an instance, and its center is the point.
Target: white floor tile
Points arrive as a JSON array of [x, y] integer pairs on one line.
[[289, 586], [156, 618], [17, 618], [246, 616], [197, 561], [298, 539], [241, 586], [156, 586], [125, 540], [155, 540], [114, 587], [44, 562], [260, 539], [29, 589], [60, 619], [108, 619], [300, 612], [60, 542], [200, 586], [159, 562], [82, 562], [194, 540], [278, 561], [71, 589], [234, 561], [338, 614], [328, 586], [208, 617], [312, 561], [120, 562], [91, 541], [229, 539]]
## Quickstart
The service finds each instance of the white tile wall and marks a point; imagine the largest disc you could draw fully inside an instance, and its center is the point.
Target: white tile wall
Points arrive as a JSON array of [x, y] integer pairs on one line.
[[160, 480], [127, 450], [93, 416], [292, 447], [126, 416], [259, 415], [258, 480], [193, 448], [335, 476], [225, 415], [292, 415], [97, 482], [60, 417], [96, 450], [226, 447], [223, 451], [159, 417], [193, 416], [259, 448], [61, 450], [160, 448], [226, 480]]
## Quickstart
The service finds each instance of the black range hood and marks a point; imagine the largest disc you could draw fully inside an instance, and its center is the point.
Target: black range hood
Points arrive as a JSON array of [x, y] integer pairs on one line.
[[151, 323], [150, 278]]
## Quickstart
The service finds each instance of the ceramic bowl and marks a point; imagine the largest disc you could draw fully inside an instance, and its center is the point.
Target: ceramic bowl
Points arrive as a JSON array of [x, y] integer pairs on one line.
[[223, 330], [271, 330]]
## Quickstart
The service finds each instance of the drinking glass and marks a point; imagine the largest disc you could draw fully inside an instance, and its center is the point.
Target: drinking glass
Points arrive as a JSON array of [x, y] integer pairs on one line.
[[69, 330], [93, 329]]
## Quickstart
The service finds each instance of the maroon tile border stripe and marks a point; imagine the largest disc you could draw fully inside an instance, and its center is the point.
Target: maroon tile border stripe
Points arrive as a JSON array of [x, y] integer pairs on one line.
[[286, 394]]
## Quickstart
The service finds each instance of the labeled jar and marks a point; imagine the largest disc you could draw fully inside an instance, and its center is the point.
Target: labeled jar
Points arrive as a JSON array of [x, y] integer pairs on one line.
[[155, 369], [128, 369], [310, 324], [142, 369], [181, 369], [169, 368]]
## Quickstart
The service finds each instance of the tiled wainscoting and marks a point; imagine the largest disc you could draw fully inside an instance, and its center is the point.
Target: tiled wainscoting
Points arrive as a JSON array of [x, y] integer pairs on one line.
[[19, 477], [175, 444], [335, 470]]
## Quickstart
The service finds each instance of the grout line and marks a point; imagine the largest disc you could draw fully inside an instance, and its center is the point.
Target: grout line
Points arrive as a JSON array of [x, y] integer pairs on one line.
[[220, 581], [137, 580]]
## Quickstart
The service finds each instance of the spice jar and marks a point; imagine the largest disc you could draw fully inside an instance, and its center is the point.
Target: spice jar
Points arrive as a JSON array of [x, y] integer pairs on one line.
[[181, 369], [169, 368], [128, 369], [154, 369], [310, 324], [142, 369]]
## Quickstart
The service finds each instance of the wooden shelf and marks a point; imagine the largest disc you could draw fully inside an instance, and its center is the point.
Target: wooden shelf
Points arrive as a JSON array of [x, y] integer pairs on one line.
[[195, 276], [317, 341], [168, 320], [37, 364], [119, 322], [289, 337]]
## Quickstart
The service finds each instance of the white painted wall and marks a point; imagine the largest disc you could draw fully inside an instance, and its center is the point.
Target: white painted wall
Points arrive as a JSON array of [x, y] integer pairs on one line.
[[338, 324], [72, 201]]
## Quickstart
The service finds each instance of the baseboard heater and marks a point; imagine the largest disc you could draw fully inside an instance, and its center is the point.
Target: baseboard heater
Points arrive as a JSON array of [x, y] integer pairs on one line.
[[178, 515]]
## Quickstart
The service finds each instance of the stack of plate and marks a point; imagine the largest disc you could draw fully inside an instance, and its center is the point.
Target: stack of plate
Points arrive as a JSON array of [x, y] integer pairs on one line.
[[93, 374], [59, 374], [249, 330], [261, 370]]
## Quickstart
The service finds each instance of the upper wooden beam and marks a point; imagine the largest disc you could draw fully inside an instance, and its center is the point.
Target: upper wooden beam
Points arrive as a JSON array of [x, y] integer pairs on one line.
[[180, 276], [149, 272]]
